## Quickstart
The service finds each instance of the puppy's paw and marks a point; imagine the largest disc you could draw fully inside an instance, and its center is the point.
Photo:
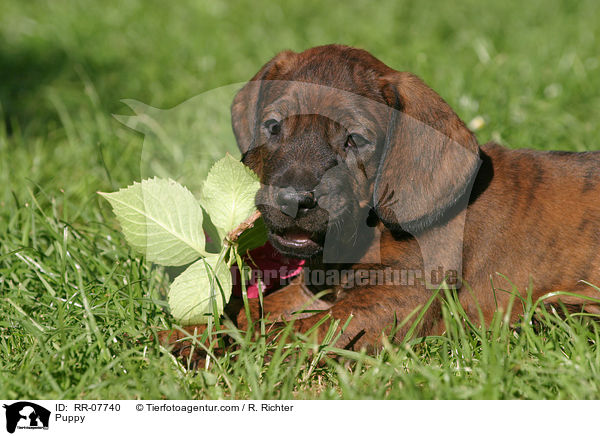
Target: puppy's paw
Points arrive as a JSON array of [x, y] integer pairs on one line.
[[191, 344]]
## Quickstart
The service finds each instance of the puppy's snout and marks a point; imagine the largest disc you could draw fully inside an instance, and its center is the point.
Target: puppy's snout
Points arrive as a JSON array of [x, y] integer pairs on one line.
[[292, 202]]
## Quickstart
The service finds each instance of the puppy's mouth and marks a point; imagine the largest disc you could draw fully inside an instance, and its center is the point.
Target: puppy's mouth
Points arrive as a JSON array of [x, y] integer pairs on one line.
[[295, 243]]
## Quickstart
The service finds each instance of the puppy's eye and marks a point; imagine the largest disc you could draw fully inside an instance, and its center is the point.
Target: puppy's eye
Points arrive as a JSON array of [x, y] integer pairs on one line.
[[272, 126], [355, 140]]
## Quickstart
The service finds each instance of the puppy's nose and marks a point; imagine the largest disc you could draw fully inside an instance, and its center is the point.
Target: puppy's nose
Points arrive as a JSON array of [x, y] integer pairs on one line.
[[291, 201]]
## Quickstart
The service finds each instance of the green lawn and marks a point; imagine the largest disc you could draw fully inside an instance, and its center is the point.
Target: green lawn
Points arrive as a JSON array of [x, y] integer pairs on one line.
[[76, 305]]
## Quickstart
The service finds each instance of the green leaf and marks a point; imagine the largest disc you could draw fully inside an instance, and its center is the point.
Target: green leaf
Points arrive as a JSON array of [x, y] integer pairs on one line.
[[253, 238], [193, 292], [228, 194], [160, 219]]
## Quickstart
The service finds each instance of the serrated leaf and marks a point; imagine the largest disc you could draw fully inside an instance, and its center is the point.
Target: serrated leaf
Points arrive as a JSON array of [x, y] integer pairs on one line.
[[228, 194], [254, 237], [160, 219], [193, 292]]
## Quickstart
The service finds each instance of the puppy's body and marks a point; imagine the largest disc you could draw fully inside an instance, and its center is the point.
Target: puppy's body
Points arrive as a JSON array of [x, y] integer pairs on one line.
[[401, 160], [537, 222], [532, 224]]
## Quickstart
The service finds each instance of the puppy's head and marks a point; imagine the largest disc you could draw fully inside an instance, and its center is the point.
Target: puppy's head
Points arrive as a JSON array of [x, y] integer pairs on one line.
[[334, 133]]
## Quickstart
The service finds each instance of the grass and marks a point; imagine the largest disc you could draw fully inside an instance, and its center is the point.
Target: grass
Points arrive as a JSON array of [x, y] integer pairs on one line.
[[76, 306]]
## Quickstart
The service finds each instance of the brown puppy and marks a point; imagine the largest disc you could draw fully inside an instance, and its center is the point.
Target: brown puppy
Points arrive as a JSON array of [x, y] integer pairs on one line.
[[369, 175]]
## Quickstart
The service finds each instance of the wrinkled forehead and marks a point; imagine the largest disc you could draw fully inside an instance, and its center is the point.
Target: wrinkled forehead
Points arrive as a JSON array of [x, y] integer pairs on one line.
[[283, 99]]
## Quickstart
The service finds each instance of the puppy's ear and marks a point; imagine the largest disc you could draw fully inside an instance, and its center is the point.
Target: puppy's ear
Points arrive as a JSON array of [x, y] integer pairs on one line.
[[429, 159], [247, 104]]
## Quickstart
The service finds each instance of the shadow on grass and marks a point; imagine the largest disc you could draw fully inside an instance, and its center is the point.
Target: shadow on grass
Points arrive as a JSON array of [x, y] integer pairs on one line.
[[23, 75]]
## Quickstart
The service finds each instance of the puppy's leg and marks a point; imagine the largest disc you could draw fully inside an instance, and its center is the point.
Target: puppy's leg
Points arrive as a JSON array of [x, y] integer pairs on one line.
[[377, 312], [294, 301], [278, 306]]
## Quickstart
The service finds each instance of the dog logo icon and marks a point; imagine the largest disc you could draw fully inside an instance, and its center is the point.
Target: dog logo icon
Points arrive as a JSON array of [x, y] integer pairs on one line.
[[26, 415]]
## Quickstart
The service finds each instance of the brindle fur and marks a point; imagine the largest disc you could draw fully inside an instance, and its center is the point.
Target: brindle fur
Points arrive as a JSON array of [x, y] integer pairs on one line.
[[532, 216]]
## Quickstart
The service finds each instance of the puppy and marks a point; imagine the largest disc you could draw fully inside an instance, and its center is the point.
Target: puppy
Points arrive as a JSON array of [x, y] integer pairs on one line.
[[371, 177]]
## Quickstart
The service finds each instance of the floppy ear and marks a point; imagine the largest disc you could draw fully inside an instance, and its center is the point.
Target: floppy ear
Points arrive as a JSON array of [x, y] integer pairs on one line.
[[247, 103], [429, 160]]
